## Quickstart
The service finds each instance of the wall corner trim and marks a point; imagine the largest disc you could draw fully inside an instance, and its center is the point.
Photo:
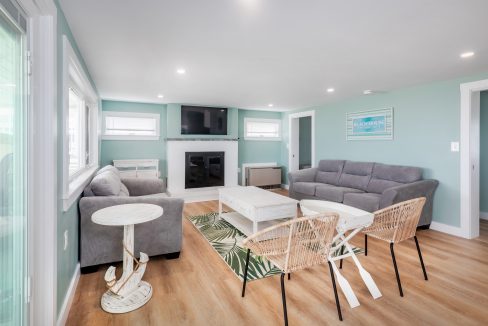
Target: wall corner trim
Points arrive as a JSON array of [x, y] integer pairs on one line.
[[68, 299], [449, 229]]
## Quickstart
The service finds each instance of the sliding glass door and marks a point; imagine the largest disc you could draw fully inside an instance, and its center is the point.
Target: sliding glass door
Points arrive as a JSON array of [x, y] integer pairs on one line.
[[13, 215]]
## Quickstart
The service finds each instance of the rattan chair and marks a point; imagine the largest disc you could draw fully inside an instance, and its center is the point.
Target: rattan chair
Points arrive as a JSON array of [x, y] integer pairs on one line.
[[295, 245], [395, 224]]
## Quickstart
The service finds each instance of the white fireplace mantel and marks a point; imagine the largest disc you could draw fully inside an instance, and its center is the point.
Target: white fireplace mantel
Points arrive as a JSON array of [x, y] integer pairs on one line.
[[176, 149]]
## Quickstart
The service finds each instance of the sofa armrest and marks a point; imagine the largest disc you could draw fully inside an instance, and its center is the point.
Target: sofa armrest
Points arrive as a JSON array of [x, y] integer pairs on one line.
[[100, 244], [143, 187], [305, 175], [422, 188]]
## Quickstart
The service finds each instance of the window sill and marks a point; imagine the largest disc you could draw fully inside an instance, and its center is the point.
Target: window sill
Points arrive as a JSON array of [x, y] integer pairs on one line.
[[262, 139], [76, 187]]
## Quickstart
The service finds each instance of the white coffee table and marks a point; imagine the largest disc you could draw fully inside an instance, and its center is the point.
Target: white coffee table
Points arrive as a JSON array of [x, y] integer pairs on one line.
[[129, 292], [255, 208], [350, 219]]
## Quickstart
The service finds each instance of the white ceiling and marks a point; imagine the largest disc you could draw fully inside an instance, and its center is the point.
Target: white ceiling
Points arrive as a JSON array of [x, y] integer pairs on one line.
[[249, 53]]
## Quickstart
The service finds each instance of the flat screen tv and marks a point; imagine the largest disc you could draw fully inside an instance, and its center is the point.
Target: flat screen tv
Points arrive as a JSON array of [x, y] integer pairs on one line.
[[200, 120]]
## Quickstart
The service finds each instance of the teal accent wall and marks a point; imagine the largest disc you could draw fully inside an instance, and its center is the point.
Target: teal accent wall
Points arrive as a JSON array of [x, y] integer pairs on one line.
[[305, 140], [136, 149], [426, 119], [66, 259], [484, 151], [257, 151], [174, 124]]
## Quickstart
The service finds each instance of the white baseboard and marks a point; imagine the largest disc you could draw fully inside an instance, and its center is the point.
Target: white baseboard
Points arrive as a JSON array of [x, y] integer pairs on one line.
[[484, 215], [449, 229], [285, 186], [68, 299]]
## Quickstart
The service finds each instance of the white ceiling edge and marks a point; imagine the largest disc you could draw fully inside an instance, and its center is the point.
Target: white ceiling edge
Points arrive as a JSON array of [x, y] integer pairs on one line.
[[204, 105]]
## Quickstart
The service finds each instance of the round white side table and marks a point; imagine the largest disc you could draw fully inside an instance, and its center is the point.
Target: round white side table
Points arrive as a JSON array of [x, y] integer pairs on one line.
[[129, 292]]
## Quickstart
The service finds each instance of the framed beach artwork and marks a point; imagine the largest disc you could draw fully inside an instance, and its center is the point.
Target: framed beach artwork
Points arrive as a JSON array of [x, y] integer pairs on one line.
[[370, 125]]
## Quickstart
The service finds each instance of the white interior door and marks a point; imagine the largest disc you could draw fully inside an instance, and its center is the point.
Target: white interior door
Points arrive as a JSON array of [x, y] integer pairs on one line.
[[294, 144], [475, 163]]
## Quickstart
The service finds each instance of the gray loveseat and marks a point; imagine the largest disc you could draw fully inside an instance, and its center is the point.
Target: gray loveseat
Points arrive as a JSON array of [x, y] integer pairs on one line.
[[364, 185], [103, 244]]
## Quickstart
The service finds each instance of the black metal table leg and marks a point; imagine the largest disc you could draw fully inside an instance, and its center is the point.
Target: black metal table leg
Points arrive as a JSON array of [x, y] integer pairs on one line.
[[396, 270], [338, 304], [365, 244], [283, 297], [420, 256], [342, 252], [245, 273]]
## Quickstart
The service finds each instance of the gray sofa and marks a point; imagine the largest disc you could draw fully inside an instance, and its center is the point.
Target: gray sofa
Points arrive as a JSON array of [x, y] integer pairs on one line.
[[364, 185], [103, 244]]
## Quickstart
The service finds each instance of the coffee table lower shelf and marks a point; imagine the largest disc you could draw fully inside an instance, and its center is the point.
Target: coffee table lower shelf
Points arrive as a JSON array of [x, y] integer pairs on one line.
[[245, 225]]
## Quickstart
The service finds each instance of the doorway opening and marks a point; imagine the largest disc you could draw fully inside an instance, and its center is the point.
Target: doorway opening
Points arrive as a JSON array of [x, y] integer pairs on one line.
[[302, 140], [470, 167]]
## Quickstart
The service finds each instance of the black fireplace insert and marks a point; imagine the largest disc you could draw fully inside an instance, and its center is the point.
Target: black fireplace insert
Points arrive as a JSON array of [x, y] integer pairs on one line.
[[204, 169]]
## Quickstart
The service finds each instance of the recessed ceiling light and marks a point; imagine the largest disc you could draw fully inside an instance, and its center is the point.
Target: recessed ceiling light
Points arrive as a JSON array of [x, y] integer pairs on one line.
[[330, 90], [467, 54], [367, 92], [270, 105], [181, 71], [160, 95]]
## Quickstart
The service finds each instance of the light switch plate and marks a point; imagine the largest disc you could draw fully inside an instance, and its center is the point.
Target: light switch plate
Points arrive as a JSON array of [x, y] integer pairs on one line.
[[455, 146], [65, 240]]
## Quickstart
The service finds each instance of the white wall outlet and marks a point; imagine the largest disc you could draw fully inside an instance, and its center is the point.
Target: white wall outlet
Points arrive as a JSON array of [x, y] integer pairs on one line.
[[455, 146], [65, 240]]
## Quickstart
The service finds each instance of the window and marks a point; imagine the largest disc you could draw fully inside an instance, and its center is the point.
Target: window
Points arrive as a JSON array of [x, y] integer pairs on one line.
[[80, 127], [76, 132], [130, 126], [13, 168], [262, 129]]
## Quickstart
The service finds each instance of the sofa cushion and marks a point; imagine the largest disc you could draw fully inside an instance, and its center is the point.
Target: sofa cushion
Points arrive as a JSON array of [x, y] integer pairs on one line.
[[356, 175], [108, 168], [329, 171], [333, 193], [307, 188], [365, 201], [386, 176], [124, 192], [106, 183]]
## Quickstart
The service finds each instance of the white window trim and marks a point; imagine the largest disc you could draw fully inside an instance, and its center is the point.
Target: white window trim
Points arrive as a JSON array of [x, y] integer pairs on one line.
[[278, 121], [74, 75], [155, 116]]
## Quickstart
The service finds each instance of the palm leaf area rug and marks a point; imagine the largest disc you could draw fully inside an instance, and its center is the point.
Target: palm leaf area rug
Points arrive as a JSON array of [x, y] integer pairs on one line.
[[227, 242]]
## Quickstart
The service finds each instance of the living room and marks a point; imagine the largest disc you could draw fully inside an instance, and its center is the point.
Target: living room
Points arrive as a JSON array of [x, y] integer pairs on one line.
[[229, 162]]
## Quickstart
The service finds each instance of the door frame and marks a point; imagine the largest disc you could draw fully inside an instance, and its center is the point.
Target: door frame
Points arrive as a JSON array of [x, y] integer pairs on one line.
[[470, 157], [293, 134], [42, 161]]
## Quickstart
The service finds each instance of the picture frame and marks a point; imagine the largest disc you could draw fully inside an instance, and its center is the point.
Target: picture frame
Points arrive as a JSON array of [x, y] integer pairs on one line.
[[370, 125]]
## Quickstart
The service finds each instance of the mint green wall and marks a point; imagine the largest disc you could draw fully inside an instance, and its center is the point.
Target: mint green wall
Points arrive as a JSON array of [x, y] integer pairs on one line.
[[174, 124], [305, 140], [66, 259], [426, 120], [136, 149], [257, 151], [484, 152]]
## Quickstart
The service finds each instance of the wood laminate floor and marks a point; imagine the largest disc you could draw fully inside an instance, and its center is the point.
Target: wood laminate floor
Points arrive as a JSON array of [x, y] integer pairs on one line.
[[199, 288]]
